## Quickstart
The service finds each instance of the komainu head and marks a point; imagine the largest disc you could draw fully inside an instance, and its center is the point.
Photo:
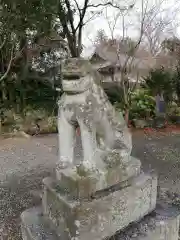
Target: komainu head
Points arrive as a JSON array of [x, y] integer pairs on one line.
[[78, 75]]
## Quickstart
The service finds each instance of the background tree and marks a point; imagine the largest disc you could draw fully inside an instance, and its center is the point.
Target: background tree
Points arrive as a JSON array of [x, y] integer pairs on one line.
[[172, 45], [161, 23], [73, 16], [120, 22], [22, 23], [142, 17], [100, 37], [160, 81]]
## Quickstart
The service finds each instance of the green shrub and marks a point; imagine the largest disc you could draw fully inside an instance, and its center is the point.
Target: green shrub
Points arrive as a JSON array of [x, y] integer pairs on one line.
[[173, 109], [160, 81], [52, 123], [142, 105], [11, 121], [39, 117], [28, 121], [34, 115], [114, 92]]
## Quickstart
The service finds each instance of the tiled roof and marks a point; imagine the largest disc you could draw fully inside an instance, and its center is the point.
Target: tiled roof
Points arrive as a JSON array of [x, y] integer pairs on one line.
[[108, 52], [142, 60]]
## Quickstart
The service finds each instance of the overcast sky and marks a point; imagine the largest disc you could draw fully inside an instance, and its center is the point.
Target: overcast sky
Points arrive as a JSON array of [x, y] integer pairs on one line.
[[131, 20]]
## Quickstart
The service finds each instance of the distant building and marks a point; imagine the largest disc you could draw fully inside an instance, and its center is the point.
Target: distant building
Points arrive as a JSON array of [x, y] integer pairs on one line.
[[109, 62]]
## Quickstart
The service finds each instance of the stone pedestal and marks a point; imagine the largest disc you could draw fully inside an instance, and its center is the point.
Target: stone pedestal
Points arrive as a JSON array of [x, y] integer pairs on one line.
[[162, 223], [107, 192], [102, 216], [79, 184], [90, 213], [87, 205]]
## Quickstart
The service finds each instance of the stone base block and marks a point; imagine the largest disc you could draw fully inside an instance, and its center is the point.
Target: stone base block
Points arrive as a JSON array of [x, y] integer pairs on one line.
[[34, 227], [83, 185], [103, 216], [163, 224]]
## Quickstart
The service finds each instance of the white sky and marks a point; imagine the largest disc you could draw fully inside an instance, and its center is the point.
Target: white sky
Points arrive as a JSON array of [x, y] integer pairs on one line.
[[131, 20]]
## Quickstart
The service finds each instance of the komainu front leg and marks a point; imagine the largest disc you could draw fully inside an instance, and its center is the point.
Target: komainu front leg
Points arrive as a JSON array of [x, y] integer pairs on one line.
[[66, 142], [89, 145]]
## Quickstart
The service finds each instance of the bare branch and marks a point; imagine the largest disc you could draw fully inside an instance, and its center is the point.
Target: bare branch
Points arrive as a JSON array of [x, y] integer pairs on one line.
[[157, 29], [116, 6], [91, 18], [78, 8], [128, 60], [135, 84], [112, 25], [82, 14], [3, 43], [143, 15], [18, 54], [70, 15], [9, 65]]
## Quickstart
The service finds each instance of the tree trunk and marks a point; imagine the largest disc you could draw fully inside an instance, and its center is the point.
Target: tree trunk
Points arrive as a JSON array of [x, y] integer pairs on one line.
[[126, 116]]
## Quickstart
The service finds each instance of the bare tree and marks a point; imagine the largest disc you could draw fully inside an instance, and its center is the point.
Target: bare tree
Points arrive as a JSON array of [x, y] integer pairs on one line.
[[74, 16], [127, 59], [100, 37], [160, 25]]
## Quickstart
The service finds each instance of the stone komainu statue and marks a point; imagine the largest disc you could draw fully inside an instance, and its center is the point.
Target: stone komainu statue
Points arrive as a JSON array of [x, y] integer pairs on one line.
[[104, 133]]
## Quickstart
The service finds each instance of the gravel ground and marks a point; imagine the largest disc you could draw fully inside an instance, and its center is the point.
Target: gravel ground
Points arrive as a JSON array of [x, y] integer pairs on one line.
[[162, 153], [24, 163]]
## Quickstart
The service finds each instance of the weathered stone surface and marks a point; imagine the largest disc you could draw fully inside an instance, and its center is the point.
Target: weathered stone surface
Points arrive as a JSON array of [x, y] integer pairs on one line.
[[85, 104], [163, 224], [33, 226], [103, 216], [83, 185], [122, 172]]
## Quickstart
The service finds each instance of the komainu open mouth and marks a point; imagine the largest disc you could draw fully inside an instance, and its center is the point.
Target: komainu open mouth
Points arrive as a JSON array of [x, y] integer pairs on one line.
[[71, 76]]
